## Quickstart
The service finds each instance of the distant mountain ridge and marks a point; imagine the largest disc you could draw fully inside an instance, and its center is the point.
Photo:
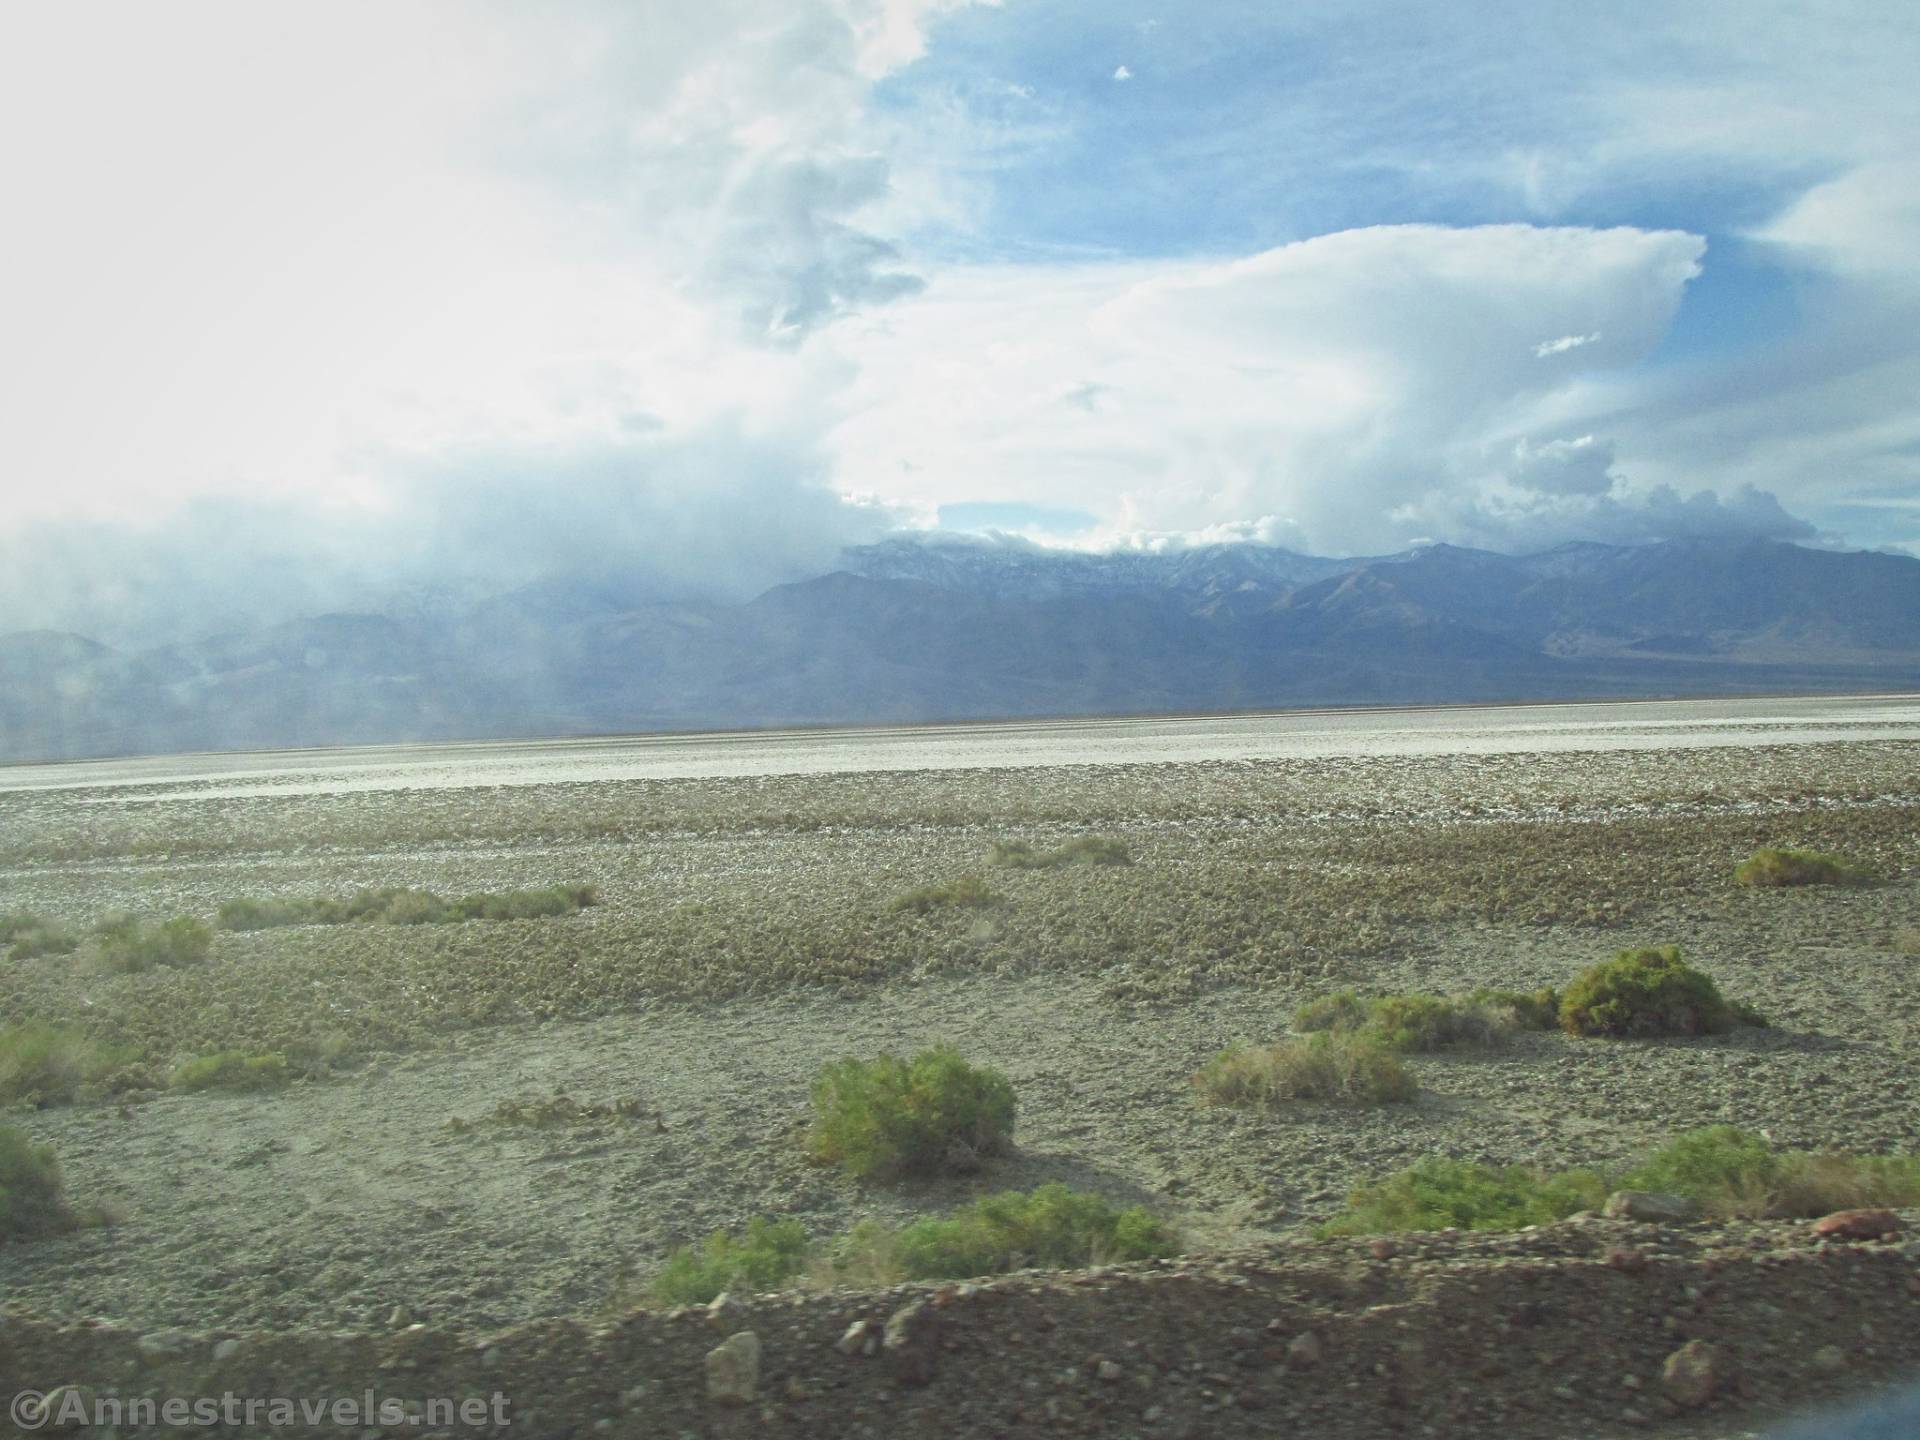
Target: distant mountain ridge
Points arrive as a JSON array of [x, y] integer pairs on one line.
[[949, 628]]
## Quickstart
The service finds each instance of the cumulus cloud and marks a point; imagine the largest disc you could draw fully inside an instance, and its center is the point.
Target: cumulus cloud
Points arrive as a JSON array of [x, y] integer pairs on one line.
[[1123, 73], [1370, 386], [1563, 344]]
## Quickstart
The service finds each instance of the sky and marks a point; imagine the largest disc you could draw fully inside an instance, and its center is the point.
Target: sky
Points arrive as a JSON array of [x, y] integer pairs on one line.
[[325, 305]]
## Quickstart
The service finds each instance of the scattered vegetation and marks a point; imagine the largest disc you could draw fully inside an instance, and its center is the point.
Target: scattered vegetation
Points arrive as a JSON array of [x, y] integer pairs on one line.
[[32, 1193], [890, 1117], [397, 906], [129, 946], [1052, 1228], [1649, 992], [1083, 850], [554, 1112], [48, 1064], [969, 892], [1907, 942], [1440, 1194], [1417, 1023], [27, 936], [767, 1257], [1330, 1065], [231, 1070], [1529, 1009], [1728, 1172], [1769, 867]]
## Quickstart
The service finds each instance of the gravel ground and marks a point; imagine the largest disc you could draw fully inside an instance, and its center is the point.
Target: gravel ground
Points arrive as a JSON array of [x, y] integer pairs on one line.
[[746, 936]]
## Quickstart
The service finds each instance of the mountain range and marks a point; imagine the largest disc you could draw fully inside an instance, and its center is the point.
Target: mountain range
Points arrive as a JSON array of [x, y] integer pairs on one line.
[[915, 629]]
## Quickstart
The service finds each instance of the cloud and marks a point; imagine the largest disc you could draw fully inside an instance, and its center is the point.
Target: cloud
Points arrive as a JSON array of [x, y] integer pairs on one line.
[[1563, 344], [1123, 73], [1364, 388]]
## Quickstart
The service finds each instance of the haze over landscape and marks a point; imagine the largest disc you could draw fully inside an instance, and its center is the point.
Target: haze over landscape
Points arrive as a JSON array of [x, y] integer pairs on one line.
[[476, 315]]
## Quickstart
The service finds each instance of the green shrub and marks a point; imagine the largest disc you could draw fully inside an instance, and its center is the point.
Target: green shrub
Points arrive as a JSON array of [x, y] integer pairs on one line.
[[396, 906], [128, 947], [1082, 850], [32, 1194], [968, 892], [1440, 1194], [1330, 1065], [1649, 992], [767, 1257], [888, 1116], [1530, 1009], [1797, 867], [1410, 1023], [1733, 1172], [46, 1064], [231, 1070], [1052, 1227], [27, 936], [1342, 1010]]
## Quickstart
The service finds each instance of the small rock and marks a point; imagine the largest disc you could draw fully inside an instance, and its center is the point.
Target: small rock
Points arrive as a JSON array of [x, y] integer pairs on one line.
[[733, 1369], [1650, 1207], [1631, 1261], [1693, 1374], [912, 1342], [860, 1339], [724, 1310], [1830, 1360], [1383, 1249], [1858, 1225], [399, 1318], [1304, 1351], [1109, 1372], [226, 1350]]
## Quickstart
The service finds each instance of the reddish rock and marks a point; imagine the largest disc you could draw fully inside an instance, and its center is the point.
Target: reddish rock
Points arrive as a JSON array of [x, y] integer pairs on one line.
[[1858, 1225], [1304, 1351], [1383, 1249], [1631, 1261]]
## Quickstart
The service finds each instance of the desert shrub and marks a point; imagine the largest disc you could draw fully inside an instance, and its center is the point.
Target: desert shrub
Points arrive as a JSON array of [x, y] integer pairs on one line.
[[1530, 1009], [32, 1194], [1440, 1194], [47, 1064], [888, 1116], [968, 892], [1082, 850], [1330, 1065], [769, 1255], [1649, 992], [1052, 1227], [1797, 867], [27, 936], [128, 947], [1732, 1172], [231, 1070], [554, 1112], [1422, 1023], [1414, 1023], [396, 906], [1342, 1010]]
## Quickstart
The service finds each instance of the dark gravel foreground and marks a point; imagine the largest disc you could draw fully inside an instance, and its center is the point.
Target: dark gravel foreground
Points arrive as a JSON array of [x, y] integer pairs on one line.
[[1552, 1333]]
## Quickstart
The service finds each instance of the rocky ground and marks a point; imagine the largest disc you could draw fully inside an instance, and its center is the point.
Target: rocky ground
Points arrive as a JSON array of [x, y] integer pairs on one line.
[[747, 935]]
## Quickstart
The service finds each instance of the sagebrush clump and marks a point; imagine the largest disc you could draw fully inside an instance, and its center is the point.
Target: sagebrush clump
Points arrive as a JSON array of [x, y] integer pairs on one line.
[[48, 1064], [1442, 1194], [129, 945], [1082, 850], [767, 1257], [1330, 1065], [1052, 1228], [394, 905], [1771, 867], [1418, 1024], [27, 936], [32, 1193], [1649, 992], [969, 892], [231, 1070], [890, 1117]]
